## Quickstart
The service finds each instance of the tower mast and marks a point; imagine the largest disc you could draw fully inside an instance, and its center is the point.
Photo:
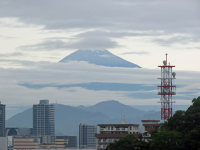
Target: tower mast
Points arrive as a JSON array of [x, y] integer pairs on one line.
[[166, 89]]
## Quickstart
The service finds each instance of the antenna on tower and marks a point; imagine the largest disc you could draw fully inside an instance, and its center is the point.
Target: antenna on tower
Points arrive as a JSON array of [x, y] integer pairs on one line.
[[166, 89]]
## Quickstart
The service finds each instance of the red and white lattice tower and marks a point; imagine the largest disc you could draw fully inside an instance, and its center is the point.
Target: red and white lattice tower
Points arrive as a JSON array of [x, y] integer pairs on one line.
[[166, 89]]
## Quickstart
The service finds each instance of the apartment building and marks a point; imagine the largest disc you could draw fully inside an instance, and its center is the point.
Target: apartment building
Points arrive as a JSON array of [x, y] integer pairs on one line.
[[109, 133]]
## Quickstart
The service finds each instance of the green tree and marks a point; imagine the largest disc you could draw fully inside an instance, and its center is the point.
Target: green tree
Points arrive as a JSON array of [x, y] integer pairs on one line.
[[188, 123], [192, 126], [167, 140], [128, 143], [175, 123]]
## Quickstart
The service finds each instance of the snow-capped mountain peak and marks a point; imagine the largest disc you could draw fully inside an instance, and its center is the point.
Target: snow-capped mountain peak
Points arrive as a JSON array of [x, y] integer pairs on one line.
[[99, 57]]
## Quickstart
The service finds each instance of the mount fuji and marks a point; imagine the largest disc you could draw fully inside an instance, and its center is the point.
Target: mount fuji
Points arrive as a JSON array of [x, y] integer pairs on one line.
[[99, 57]]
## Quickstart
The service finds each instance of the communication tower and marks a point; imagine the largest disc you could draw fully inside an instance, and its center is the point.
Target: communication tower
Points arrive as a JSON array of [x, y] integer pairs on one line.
[[166, 89]]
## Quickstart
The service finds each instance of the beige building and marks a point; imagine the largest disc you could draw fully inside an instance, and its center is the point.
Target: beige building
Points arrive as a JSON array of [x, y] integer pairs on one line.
[[109, 133], [26, 143], [29, 143], [61, 142]]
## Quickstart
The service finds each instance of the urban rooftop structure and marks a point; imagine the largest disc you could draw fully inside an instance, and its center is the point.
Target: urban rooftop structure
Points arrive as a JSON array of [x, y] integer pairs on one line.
[[110, 133]]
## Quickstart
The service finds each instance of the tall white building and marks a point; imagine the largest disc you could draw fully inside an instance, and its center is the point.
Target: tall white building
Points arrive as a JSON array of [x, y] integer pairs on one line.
[[43, 121], [87, 137]]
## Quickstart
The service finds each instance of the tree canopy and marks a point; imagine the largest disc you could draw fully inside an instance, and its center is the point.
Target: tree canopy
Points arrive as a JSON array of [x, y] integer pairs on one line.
[[128, 143], [188, 123]]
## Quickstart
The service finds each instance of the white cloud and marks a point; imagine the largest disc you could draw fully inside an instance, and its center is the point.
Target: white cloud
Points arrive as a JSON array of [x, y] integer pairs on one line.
[[75, 73], [34, 33], [49, 29]]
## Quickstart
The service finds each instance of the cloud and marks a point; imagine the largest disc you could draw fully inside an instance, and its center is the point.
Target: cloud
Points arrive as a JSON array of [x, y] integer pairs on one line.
[[20, 64], [94, 43], [170, 16], [7, 37], [97, 86], [136, 53], [46, 46], [177, 39], [106, 24], [70, 82], [100, 23], [88, 40], [94, 39], [11, 54]]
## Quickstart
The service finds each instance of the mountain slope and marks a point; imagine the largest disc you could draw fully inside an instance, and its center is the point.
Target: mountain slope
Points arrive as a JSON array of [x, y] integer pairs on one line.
[[99, 57], [68, 118], [23, 119], [116, 110]]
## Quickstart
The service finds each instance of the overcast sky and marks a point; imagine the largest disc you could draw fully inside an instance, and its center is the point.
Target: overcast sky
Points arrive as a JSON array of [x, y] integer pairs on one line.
[[140, 31], [36, 34]]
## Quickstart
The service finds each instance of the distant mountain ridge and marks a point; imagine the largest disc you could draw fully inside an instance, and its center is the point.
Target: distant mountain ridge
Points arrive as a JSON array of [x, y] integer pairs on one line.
[[115, 109], [99, 57], [68, 118]]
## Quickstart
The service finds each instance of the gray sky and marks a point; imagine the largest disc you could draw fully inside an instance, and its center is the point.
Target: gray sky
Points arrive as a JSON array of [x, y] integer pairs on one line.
[[140, 31], [79, 83], [36, 34]]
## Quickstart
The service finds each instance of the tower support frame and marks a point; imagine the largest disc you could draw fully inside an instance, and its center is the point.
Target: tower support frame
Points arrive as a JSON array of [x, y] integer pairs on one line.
[[166, 89]]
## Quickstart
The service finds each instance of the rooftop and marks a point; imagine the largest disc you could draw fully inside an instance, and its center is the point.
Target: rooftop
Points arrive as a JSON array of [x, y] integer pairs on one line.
[[150, 120], [124, 125]]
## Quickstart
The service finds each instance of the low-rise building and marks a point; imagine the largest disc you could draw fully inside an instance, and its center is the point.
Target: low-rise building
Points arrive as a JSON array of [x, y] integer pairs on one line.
[[109, 133], [149, 126], [48, 146], [30, 143], [26, 143], [61, 142], [34, 142], [66, 141]]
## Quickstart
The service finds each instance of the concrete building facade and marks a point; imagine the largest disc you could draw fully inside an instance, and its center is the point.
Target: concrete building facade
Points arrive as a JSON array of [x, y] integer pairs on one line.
[[43, 121], [87, 137], [2, 120], [109, 133], [68, 141], [61, 142], [24, 143]]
